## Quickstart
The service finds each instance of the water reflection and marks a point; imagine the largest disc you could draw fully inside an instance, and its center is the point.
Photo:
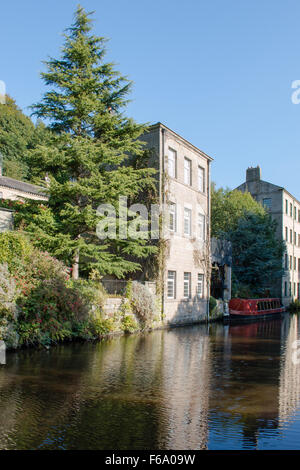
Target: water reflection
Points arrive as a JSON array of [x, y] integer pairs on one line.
[[188, 388]]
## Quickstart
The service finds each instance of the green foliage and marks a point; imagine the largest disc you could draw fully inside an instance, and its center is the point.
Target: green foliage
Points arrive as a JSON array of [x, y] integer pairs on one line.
[[92, 291], [257, 255], [8, 310], [39, 304], [92, 155], [15, 247], [103, 326], [227, 207], [294, 306], [16, 134], [129, 324]]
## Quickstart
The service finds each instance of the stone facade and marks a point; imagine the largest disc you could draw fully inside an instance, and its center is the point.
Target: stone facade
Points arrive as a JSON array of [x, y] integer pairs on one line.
[[6, 220], [184, 193], [285, 209]]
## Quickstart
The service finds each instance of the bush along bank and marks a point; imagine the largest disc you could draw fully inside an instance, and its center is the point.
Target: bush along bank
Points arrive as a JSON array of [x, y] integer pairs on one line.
[[40, 305]]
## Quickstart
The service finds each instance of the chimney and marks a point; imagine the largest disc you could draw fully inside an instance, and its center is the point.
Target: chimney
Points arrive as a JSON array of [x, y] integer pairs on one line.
[[253, 174]]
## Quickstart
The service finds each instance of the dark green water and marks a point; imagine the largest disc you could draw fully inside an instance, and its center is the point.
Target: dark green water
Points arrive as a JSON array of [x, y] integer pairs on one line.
[[216, 387]]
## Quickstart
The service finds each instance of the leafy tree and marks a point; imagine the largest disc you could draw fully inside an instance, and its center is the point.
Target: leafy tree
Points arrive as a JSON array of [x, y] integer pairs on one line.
[[16, 132], [92, 155], [227, 207], [257, 255]]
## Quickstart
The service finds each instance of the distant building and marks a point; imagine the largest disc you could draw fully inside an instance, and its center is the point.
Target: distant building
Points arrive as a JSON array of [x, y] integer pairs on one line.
[[285, 209], [184, 189]]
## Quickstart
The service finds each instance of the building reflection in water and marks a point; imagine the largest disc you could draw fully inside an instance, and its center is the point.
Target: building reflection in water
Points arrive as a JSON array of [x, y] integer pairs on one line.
[[289, 381], [185, 388]]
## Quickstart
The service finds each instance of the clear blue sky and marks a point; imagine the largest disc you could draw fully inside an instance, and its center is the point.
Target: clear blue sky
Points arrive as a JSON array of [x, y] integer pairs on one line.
[[218, 73]]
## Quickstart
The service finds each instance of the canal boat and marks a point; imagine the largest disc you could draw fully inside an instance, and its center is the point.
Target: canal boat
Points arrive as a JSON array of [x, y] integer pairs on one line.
[[254, 308]]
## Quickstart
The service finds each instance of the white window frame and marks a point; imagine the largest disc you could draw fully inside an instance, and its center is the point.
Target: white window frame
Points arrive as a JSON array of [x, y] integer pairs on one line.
[[200, 286], [187, 287], [172, 163], [187, 222], [172, 217], [171, 282], [201, 180], [187, 171], [201, 226]]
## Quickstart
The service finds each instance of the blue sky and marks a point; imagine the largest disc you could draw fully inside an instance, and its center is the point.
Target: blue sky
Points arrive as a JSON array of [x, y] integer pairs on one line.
[[218, 73]]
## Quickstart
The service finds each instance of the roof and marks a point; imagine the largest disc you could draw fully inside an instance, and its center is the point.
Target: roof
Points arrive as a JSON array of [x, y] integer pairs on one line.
[[22, 186], [159, 124], [276, 188]]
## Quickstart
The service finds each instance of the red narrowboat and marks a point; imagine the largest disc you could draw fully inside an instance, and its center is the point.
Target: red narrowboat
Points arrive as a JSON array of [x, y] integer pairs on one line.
[[254, 308]]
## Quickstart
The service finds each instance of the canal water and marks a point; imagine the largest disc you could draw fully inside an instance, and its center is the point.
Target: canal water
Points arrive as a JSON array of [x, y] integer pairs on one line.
[[200, 387]]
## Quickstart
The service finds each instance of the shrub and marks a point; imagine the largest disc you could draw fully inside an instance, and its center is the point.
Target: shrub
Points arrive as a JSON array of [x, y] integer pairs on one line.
[[103, 326], [294, 306], [8, 310], [92, 292], [14, 249], [143, 303], [129, 324]]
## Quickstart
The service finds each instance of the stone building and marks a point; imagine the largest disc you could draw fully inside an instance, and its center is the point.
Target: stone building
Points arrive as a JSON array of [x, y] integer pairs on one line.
[[285, 209], [16, 190], [184, 195]]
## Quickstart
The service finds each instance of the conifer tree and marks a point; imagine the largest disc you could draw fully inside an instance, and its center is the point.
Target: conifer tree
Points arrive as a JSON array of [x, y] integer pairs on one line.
[[90, 156]]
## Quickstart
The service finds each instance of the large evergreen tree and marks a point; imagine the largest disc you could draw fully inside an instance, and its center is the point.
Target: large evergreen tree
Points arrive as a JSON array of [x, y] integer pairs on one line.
[[92, 155]]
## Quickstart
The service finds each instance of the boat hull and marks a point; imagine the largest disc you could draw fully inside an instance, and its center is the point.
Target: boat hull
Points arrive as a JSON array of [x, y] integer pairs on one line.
[[253, 309]]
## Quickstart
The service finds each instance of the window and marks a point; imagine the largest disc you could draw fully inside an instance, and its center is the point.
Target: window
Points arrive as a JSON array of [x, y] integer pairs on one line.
[[187, 285], [187, 171], [200, 285], [201, 226], [291, 262], [286, 206], [291, 236], [172, 163], [286, 234], [172, 217], [285, 289], [295, 264], [267, 203], [187, 222], [291, 209], [286, 261], [171, 293], [201, 184]]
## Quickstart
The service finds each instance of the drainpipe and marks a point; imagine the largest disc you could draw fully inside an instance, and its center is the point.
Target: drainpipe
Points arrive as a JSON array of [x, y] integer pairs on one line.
[[162, 202]]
